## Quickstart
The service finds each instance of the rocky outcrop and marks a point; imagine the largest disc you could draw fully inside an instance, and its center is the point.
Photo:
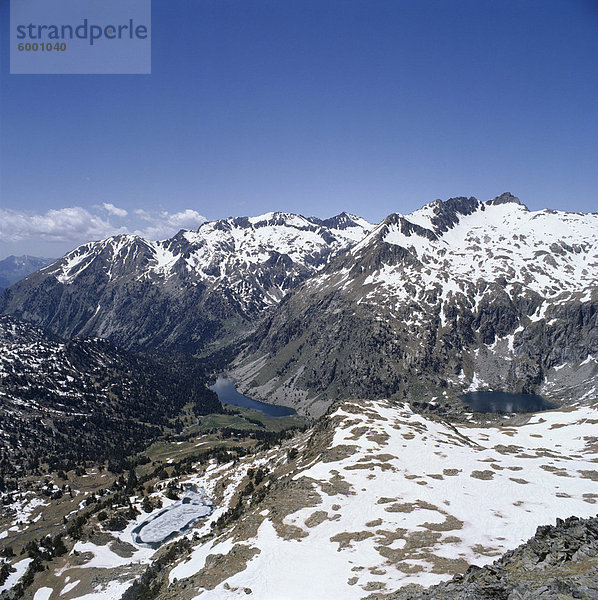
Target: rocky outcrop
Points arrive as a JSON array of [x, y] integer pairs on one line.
[[446, 214], [505, 198], [558, 562]]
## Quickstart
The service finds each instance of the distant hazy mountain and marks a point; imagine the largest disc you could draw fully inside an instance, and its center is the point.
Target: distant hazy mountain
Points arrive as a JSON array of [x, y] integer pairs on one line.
[[185, 291], [460, 294], [14, 268]]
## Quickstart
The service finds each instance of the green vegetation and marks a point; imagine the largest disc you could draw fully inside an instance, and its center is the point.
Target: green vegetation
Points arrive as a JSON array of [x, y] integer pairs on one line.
[[247, 419]]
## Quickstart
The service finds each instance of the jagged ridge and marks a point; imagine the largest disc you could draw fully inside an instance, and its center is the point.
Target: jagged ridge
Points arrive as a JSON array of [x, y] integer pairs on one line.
[[185, 291], [558, 562]]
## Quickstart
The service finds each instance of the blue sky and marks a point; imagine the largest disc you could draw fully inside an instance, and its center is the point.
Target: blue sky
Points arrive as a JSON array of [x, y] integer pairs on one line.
[[308, 106]]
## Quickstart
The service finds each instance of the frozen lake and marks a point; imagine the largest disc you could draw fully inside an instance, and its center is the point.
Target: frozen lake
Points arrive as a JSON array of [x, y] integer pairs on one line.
[[173, 520]]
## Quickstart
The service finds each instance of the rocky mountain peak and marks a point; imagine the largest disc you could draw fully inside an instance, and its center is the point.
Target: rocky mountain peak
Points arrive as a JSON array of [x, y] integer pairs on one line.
[[446, 214], [406, 227], [506, 198], [280, 219], [341, 221]]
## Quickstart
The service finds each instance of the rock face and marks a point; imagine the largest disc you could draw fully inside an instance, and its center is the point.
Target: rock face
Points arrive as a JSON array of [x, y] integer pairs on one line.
[[558, 562], [460, 294], [185, 291]]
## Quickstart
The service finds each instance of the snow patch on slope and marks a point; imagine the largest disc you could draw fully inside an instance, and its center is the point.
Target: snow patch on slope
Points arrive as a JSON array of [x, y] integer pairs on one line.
[[409, 499]]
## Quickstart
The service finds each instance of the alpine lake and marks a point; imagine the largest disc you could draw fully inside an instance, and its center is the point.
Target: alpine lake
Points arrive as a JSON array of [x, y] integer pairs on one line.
[[227, 394], [483, 401], [502, 402]]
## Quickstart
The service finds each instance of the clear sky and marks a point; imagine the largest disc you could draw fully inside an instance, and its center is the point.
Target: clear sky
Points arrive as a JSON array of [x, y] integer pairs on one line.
[[308, 106]]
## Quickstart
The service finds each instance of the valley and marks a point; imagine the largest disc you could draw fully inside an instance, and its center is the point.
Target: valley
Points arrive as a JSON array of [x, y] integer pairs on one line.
[[134, 464]]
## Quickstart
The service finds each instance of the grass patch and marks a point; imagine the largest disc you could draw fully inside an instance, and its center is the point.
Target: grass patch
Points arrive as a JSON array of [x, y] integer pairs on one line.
[[238, 417]]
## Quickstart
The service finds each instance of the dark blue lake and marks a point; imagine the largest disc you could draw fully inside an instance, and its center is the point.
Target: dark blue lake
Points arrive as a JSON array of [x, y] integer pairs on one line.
[[506, 403], [227, 394]]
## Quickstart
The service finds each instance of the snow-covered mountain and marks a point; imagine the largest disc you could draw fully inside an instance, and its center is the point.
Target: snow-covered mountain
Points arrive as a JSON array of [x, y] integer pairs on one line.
[[463, 241], [186, 290], [460, 294]]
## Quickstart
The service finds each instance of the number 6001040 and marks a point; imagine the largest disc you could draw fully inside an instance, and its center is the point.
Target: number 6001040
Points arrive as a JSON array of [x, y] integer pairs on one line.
[[43, 47]]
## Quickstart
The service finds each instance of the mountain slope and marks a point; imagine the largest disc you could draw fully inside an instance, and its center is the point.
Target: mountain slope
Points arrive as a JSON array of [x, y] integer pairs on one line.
[[385, 497], [459, 294], [14, 268], [382, 496], [185, 291], [63, 403]]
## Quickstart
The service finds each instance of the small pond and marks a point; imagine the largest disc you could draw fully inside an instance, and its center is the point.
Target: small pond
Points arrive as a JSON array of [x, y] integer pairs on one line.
[[506, 403], [171, 521], [227, 394]]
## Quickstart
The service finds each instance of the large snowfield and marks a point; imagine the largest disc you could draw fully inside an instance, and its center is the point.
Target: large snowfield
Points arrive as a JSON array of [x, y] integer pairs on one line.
[[410, 500]]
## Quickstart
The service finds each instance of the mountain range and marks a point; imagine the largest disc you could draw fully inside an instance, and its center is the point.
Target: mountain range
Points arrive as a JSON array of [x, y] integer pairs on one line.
[[372, 331], [185, 292], [459, 295]]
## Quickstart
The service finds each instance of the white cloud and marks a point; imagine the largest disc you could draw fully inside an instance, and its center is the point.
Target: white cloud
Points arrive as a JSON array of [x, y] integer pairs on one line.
[[186, 219], [62, 225], [76, 225], [164, 225], [114, 210]]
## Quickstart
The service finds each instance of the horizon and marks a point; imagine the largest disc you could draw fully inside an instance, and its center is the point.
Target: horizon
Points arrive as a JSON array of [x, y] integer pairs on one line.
[[310, 108], [242, 216]]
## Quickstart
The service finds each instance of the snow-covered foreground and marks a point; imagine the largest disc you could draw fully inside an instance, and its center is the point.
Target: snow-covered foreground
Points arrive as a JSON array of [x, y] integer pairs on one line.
[[387, 497]]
